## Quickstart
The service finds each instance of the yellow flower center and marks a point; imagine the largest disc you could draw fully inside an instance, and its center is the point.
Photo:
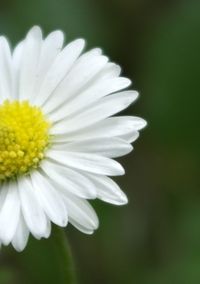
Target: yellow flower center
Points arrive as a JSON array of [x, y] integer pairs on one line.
[[24, 136]]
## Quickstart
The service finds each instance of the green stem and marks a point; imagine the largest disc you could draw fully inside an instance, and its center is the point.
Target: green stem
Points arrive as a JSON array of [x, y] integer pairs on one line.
[[65, 255]]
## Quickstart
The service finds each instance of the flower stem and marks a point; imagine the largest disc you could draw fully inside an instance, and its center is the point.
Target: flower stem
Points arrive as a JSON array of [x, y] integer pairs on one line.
[[63, 249]]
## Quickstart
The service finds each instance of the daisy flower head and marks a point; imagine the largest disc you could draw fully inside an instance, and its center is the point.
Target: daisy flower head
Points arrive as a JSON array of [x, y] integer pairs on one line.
[[58, 135]]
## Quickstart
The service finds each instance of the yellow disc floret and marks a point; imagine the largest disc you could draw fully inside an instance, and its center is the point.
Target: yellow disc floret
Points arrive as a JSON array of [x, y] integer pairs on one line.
[[24, 136]]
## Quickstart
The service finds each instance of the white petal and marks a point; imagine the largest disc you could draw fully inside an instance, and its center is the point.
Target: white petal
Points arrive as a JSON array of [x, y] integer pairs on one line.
[[130, 137], [59, 69], [87, 162], [5, 70], [81, 214], [48, 230], [51, 46], [86, 67], [9, 215], [111, 70], [50, 199], [32, 211], [104, 83], [30, 57], [104, 108], [111, 147], [81, 227], [17, 60], [20, 238], [108, 190], [69, 180], [100, 88], [94, 51], [110, 127], [3, 193]]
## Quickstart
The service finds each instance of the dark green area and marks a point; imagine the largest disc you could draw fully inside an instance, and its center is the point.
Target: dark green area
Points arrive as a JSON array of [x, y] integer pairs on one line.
[[43, 261], [156, 238]]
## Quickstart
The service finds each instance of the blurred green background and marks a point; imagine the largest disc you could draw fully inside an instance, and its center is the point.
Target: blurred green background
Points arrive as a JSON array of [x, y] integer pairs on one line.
[[156, 238]]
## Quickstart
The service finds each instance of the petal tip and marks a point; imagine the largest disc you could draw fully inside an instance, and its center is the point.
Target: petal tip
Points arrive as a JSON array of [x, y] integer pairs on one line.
[[35, 31]]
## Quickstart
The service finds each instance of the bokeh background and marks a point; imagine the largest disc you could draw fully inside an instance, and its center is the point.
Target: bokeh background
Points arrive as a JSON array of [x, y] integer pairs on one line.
[[156, 237]]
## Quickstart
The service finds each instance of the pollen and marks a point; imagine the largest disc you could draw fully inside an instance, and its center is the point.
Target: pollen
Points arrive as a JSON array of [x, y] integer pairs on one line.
[[24, 137]]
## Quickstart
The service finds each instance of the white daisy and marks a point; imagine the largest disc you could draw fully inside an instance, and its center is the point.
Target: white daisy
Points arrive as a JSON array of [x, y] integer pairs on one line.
[[57, 135]]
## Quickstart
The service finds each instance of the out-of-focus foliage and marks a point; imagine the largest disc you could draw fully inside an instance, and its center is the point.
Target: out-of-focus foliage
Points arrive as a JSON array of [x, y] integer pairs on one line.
[[156, 238], [43, 261]]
